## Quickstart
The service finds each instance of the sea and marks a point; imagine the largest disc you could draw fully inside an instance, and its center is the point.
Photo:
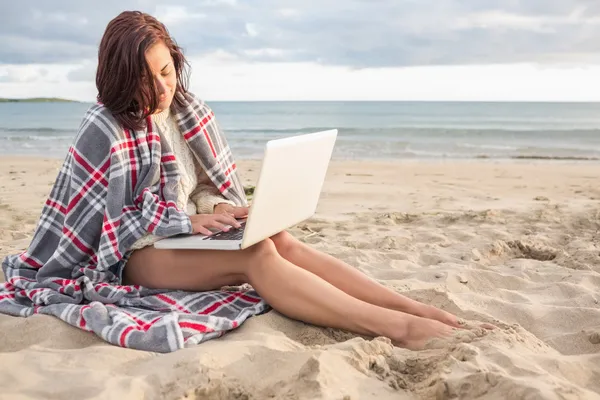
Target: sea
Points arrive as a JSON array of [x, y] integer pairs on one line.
[[367, 130]]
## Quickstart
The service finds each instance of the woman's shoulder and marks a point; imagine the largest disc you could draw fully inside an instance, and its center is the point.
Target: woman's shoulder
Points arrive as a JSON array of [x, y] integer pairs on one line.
[[199, 105], [99, 123], [194, 98], [98, 113]]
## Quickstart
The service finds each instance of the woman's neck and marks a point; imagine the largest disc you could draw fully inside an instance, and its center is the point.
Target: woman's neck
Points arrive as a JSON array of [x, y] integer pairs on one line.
[[161, 116]]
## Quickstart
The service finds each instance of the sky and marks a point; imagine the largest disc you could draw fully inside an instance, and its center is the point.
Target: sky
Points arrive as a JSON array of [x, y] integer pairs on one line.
[[481, 50]]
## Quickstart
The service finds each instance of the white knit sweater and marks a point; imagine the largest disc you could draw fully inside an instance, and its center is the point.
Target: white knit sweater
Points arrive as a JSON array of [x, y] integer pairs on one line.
[[197, 194]]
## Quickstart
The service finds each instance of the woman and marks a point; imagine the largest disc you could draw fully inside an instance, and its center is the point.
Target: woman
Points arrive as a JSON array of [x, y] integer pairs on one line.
[[160, 167]]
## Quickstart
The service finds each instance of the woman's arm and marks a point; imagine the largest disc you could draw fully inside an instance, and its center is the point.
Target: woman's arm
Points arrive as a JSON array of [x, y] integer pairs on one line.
[[206, 196]]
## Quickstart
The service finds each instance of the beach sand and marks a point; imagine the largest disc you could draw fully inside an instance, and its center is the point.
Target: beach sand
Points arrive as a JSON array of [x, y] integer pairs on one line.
[[515, 244]]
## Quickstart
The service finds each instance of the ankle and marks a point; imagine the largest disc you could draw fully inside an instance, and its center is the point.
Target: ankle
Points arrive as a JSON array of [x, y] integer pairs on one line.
[[394, 325], [412, 307]]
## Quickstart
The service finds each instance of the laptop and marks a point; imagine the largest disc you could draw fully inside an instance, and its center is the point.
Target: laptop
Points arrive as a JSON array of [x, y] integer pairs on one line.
[[287, 192]]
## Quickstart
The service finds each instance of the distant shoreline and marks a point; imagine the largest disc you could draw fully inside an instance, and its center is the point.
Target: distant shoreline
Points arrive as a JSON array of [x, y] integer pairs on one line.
[[37, 100]]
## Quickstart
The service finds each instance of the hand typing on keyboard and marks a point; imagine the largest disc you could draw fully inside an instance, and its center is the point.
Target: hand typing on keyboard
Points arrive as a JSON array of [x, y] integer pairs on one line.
[[203, 223], [237, 212], [231, 234]]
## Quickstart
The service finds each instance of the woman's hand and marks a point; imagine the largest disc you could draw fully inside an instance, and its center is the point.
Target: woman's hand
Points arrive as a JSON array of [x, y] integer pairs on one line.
[[236, 212], [202, 222]]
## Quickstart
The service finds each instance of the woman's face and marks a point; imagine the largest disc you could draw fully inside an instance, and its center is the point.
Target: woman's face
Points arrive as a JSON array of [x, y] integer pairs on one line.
[[160, 62]]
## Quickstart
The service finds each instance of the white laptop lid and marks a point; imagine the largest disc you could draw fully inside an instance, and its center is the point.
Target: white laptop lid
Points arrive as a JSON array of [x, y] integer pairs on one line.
[[289, 184]]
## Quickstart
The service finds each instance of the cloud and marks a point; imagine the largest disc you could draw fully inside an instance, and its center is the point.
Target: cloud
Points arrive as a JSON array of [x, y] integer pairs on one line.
[[353, 33], [176, 15], [288, 12], [251, 30], [33, 73], [223, 76], [86, 72]]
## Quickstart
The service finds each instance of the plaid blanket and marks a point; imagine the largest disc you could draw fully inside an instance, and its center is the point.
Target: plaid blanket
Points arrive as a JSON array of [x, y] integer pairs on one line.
[[104, 199]]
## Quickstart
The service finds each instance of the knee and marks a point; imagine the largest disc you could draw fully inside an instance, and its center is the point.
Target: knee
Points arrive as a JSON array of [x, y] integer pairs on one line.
[[285, 243], [261, 251], [258, 257]]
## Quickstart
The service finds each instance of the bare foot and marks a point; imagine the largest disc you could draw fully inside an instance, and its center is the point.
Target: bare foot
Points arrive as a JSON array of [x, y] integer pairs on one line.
[[447, 318], [440, 315], [417, 331]]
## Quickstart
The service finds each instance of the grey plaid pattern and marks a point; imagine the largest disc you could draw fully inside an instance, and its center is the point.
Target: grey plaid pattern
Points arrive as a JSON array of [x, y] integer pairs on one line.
[[103, 200]]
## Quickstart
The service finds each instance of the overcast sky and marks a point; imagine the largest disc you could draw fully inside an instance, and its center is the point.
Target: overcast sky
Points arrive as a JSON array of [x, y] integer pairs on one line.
[[325, 49]]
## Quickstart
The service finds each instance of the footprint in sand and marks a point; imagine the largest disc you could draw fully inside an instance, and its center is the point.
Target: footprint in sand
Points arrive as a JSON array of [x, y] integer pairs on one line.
[[465, 352], [521, 249]]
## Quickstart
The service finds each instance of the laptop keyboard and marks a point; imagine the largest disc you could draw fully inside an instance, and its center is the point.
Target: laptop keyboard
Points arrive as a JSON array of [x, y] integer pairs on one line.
[[232, 234]]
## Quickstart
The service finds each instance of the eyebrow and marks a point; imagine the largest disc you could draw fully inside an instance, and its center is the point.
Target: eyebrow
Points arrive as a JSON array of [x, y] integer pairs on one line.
[[165, 67]]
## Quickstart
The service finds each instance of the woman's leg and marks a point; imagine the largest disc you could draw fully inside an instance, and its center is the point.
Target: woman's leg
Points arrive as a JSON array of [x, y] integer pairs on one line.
[[289, 289], [352, 281]]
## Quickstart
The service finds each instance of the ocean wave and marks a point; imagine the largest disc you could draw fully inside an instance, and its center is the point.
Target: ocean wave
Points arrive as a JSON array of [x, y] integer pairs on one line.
[[420, 131], [35, 138], [487, 146], [36, 130], [558, 158], [396, 131]]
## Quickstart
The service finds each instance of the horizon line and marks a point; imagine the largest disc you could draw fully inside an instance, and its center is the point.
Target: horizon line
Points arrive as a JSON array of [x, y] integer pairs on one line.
[[59, 99]]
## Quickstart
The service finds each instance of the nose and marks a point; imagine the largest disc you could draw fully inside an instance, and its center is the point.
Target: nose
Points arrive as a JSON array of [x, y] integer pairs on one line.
[[161, 86]]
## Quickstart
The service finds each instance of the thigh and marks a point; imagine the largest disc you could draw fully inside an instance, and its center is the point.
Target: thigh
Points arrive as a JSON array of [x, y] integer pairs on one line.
[[192, 270]]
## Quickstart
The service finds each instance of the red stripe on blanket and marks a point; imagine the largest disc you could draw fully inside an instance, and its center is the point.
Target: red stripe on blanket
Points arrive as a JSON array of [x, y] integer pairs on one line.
[[29, 261], [99, 176], [153, 138], [94, 178], [225, 186], [20, 278], [124, 335], [64, 281], [196, 327], [82, 322], [31, 293], [159, 212], [143, 325], [126, 288], [201, 127], [218, 304], [53, 204], [230, 169], [7, 296], [210, 143], [110, 228], [168, 158], [192, 133], [172, 302], [71, 235], [128, 145], [249, 299]]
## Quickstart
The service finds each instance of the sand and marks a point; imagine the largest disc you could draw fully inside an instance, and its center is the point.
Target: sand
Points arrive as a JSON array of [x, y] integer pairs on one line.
[[516, 244]]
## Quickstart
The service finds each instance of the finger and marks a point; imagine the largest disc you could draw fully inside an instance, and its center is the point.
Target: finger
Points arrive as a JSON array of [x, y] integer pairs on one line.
[[488, 326], [220, 226], [202, 230], [228, 219], [240, 212]]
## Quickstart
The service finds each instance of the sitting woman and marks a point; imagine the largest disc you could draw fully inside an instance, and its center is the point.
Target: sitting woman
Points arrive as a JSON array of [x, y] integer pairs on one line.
[[181, 178]]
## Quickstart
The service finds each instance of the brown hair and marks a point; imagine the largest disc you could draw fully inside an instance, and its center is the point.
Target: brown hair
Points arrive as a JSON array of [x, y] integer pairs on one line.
[[123, 77]]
